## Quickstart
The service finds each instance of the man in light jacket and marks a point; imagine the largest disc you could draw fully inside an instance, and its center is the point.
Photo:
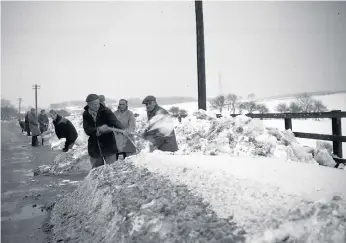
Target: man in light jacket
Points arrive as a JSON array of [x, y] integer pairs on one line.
[[163, 142], [126, 117], [44, 121], [34, 127]]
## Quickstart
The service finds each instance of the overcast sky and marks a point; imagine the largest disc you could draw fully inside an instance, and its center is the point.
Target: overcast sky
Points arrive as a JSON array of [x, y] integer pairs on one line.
[[132, 49]]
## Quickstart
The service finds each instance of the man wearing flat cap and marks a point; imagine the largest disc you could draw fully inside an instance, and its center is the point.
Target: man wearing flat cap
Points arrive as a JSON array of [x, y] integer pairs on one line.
[[102, 100], [98, 122], [163, 142]]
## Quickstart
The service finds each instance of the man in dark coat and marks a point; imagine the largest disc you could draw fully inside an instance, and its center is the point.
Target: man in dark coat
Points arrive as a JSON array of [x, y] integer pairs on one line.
[[64, 129], [34, 127], [27, 124], [97, 123], [43, 120], [163, 142], [21, 124]]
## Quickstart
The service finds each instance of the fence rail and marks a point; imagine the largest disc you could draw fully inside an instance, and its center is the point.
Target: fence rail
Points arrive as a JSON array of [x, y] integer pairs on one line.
[[334, 115]]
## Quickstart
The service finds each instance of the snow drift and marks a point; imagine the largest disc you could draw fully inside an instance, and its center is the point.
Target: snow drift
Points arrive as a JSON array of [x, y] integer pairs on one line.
[[204, 134], [162, 198], [121, 203]]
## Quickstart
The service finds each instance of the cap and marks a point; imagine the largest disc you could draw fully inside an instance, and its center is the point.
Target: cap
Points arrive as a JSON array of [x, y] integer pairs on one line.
[[149, 98], [102, 98], [92, 97]]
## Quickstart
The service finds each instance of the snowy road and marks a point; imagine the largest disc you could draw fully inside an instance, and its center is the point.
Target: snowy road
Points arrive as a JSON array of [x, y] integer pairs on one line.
[[22, 194]]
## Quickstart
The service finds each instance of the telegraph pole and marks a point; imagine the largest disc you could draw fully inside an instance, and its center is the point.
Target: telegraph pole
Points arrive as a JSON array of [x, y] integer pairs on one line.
[[35, 87], [20, 102], [202, 94]]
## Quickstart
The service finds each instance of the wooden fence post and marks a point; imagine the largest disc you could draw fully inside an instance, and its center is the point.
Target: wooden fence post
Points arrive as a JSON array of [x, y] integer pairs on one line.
[[336, 130], [288, 123]]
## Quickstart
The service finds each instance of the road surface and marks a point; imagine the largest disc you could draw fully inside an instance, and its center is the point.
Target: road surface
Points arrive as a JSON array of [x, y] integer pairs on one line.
[[22, 194]]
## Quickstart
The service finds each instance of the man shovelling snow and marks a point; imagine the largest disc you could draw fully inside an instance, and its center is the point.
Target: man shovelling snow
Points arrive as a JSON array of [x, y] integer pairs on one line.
[[64, 129], [99, 122], [160, 131]]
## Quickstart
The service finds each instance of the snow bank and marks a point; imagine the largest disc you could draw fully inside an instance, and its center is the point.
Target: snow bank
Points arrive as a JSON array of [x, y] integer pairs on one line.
[[203, 133], [121, 203], [269, 198], [162, 198], [76, 159]]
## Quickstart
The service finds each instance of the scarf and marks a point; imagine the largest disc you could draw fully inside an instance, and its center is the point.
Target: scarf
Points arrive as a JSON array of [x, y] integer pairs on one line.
[[93, 114]]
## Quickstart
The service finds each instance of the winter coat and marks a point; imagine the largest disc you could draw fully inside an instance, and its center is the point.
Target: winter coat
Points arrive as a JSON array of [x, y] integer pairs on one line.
[[65, 129], [106, 141], [22, 125], [161, 142], [33, 124], [26, 117], [128, 120], [43, 120]]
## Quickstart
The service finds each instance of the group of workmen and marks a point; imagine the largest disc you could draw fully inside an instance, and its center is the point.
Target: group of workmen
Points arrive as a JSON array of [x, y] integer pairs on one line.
[[111, 134]]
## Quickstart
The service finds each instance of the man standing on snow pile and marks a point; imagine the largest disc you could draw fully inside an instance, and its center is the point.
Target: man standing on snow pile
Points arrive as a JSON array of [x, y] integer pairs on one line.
[[160, 131], [64, 129], [98, 123], [33, 125], [125, 144], [43, 120]]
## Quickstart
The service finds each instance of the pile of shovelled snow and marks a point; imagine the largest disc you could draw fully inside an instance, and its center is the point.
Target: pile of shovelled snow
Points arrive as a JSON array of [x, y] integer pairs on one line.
[[203, 133], [122, 203], [322, 221], [76, 159], [270, 199], [243, 136], [155, 198]]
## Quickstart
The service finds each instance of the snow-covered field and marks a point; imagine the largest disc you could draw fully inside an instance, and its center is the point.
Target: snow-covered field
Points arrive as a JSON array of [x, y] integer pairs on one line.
[[232, 180]]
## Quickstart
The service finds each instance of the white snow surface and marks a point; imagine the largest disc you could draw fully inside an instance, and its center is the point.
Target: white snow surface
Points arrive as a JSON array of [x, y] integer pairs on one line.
[[258, 193]]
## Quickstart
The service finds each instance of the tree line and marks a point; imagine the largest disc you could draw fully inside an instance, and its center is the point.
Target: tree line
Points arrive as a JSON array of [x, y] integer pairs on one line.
[[9, 112], [303, 103]]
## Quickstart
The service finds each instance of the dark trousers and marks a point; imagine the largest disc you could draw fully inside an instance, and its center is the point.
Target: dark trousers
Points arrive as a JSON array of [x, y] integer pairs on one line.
[[34, 141], [124, 155], [43, 129], [68, 145], [27, 127]]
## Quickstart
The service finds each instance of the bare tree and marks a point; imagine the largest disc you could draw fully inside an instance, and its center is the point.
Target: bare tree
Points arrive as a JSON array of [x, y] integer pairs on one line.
[[5, 103], [250, 106], [305, 102], [7, 110], [294, 107], [318, 106], [262, 108], [218, 102], [282, 108], [232, 101], [251, 97], [183, 113], [174, 110]]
